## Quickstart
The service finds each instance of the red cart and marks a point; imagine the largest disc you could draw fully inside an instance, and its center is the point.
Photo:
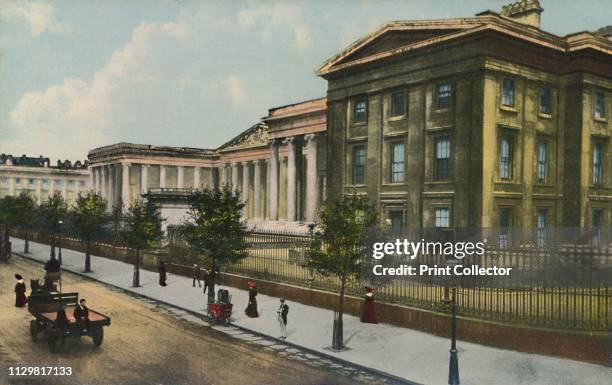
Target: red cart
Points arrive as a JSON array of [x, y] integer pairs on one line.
[[221, 309]]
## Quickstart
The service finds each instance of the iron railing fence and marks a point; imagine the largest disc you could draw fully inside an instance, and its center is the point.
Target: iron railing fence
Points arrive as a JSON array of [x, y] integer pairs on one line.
[[563, 283]]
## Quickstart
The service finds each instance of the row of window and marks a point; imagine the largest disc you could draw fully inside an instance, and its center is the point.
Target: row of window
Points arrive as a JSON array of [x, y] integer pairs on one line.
[[45, 182], [442, 160], [443, 97]]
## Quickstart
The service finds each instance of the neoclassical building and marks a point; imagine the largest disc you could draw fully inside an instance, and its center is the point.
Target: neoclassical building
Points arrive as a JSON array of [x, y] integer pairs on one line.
[[41, 179], [277, 166], [478, 122]]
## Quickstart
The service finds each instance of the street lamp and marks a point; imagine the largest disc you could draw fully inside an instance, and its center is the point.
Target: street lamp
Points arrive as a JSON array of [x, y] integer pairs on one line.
[[59, 256], [453, 367]]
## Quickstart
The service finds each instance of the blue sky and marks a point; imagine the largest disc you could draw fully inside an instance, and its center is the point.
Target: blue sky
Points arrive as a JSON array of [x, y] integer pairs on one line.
[[75, 75]]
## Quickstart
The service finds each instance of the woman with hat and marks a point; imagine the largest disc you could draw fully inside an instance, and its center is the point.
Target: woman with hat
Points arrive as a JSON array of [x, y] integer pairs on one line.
[[20, 289], [251, 310], [369, 314]]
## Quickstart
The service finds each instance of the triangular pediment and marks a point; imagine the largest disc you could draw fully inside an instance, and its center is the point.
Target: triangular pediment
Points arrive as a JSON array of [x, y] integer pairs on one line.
[[255, 136], [390, 40]]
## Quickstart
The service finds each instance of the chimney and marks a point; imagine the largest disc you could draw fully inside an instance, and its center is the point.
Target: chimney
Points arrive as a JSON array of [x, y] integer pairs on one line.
[[524, 11]]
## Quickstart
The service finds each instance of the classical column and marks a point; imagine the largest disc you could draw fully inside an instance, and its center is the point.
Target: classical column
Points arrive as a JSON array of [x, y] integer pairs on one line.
[[117, 185], [39, 191], [144, 178], [92, 179], [109, 187], [162, 176], [273, 179], [291, 180], [97, 177], [196, 177], [311, 178], [221, 173], [103, 190], [125, 185], [180, 176], [234, 176], [245, 181], [257, 189]]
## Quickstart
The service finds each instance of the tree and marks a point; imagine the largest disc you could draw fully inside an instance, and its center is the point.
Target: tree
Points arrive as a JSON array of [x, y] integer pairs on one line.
[[52, 211], [25, 215], [338, 247], [142, 230], [215, 229], [88, 218], [8, 215]]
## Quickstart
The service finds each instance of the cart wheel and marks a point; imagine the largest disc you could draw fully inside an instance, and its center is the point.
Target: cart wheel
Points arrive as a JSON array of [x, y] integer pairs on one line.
[[34, 330], [97, 333]]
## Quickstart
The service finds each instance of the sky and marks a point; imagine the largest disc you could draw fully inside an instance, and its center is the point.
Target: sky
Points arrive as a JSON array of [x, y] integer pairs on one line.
[[76, 75]]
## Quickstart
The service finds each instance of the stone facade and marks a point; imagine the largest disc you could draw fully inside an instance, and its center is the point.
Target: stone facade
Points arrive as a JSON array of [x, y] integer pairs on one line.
[[474, 123], [41, 179]]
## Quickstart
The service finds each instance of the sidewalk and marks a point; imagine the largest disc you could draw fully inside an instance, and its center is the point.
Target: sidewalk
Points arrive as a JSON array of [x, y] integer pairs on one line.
[[402, 352]]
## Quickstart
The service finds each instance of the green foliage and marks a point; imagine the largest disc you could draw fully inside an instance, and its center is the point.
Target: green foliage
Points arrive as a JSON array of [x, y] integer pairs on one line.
[[8, 210], [53, 210], [143, 225], [88, 215], [214, 226], [338, 245], [25, 210]]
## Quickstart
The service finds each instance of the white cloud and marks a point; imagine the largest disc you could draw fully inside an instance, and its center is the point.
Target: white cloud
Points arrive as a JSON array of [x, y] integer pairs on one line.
[[40, 17], [275, 20]]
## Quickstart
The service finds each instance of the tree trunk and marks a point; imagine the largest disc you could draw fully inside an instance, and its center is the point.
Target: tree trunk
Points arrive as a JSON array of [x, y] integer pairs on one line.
[[87, 258], [211, 282], [338, 330], [136, 280], [26, 243]]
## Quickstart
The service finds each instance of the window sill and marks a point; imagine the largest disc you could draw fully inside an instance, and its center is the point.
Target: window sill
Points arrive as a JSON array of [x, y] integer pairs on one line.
[[506, 108], [396, 118], [394, 184], [442, 110], [358, 124], [545, 116], [600, 119]]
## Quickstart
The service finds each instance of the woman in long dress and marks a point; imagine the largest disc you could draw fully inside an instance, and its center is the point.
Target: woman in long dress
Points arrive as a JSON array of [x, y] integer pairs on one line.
[[369, 314], [20, 289], [251, 310], [162, 273]]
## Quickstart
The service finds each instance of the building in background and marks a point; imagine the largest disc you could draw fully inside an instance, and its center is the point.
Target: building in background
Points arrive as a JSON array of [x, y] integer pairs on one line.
[[481, 122], [42, 179]]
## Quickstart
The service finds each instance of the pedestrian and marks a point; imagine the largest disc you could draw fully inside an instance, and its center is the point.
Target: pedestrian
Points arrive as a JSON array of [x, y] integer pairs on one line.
[[282, 318], [251, 309], [61, 321], [20, 289], [369, 314], [206, 280], [52, 267], [162, 274], [196, 275], [81, 315]]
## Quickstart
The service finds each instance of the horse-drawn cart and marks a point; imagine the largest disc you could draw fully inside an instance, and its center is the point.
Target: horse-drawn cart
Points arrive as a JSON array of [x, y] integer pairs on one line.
[[44, 308]]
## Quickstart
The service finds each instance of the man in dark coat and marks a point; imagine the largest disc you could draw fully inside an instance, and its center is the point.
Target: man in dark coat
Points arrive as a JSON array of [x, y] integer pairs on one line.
[[81, 315], [162, 274], [196, 275], [20, 289], [52, 267], [206, 279], [61, 321], [282, 317]]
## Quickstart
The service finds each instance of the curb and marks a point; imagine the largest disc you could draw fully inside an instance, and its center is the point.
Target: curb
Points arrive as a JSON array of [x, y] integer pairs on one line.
[[202, 316]]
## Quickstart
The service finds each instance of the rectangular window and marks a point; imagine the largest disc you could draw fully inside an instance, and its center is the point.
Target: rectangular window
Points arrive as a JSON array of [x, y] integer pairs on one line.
[[443, 158], [398, 103], [360, 111], [542, 162], [600, 105], [17, 181], [81, 184], [508, 92], [397, 218], [58, 183], [597, 166], [442, 215], [541, 227], [397, 163], [359, 165], [596, 225], [505, 223], [506, 157], [31, 181], [545, 102], [443, 96], [45, 184]]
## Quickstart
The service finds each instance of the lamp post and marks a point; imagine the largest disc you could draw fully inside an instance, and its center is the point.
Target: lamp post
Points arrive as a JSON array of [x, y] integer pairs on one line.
[[59, 255], [453, 367]]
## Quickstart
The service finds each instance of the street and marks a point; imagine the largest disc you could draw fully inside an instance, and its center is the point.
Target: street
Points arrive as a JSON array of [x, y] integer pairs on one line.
[[142, 345]]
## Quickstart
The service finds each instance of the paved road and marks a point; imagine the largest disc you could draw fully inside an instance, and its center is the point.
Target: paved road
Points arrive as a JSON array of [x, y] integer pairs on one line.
[[144, 344]]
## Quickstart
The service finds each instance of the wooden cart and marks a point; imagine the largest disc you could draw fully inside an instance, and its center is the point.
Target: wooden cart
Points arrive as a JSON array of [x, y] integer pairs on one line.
[[44, 308]]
